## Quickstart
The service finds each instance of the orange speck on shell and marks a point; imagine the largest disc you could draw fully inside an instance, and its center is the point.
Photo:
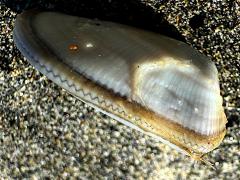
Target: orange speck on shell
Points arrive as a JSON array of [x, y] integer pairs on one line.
[[73, 47]]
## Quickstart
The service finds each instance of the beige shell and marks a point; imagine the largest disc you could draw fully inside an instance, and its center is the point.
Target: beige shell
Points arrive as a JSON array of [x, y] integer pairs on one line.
[[149, 82]]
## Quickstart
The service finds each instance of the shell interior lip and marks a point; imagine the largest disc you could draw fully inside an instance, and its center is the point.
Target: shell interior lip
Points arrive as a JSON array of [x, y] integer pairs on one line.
[[164, 76]]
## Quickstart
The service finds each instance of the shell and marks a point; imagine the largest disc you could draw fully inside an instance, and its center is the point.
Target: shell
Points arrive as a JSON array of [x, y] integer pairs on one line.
[[155, 84]]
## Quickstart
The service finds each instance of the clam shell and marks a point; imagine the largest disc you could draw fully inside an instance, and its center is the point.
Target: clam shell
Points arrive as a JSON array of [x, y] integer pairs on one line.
[[150, 82]]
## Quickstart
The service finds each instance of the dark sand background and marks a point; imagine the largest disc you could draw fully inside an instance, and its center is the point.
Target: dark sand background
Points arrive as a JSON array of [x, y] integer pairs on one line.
[[46, 132]]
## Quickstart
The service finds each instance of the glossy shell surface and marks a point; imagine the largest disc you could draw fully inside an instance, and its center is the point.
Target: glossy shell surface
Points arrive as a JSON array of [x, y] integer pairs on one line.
[[149, 82]]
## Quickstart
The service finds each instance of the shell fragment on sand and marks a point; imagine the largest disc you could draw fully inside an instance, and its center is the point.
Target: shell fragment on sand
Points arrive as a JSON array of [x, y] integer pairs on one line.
[[147, 81]]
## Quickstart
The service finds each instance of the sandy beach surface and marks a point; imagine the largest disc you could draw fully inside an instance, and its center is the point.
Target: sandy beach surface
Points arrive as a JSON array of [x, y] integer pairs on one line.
[[47, 133]]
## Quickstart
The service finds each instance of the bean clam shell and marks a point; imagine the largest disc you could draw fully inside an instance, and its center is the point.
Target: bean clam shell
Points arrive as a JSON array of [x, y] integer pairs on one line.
[[152, 83]]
